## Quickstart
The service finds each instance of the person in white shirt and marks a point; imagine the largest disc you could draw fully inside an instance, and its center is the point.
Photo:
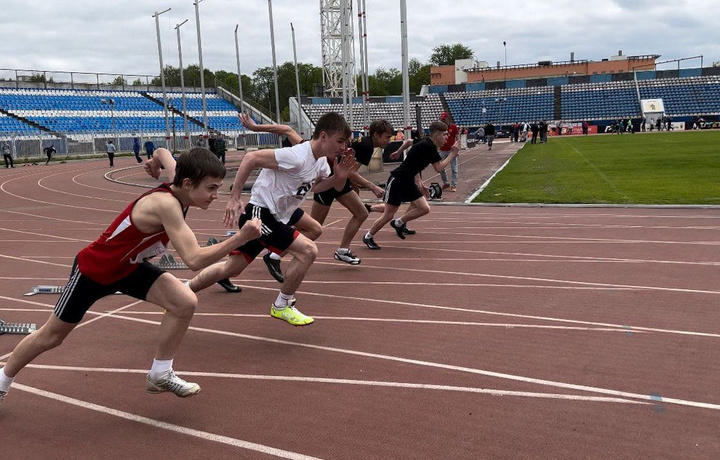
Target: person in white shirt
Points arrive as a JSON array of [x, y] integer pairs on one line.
[[287, 175]]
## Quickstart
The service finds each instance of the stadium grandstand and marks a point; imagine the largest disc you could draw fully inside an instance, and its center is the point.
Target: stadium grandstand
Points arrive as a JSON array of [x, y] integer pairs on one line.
[[80, 118]]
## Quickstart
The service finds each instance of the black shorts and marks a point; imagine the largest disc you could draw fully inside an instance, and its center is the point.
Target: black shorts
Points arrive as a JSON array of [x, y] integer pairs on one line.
[[402, 189], [81, 292], [327, 197], [275, 235]]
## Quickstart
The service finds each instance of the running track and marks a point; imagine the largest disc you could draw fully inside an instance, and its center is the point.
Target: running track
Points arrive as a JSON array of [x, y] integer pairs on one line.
[[495, 332]]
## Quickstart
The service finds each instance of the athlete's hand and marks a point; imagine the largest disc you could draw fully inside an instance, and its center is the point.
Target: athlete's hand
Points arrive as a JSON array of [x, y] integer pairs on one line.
[[379, 192], [455, 150], [249, 231], [395, 155], [152, 168], [231, 210], [247, 121], [347, 165]]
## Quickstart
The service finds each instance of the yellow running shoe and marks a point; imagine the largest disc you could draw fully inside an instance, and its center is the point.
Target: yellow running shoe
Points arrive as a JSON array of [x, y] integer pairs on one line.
[[291, 315]]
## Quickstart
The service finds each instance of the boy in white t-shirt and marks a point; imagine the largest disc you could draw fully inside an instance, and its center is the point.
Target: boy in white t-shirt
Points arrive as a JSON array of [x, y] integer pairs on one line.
[[288, 174]]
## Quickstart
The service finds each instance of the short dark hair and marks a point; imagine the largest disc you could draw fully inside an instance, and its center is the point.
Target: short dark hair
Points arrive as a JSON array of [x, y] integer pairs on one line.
[[380, 127], [437, 126], [197, 164], [331, 123]]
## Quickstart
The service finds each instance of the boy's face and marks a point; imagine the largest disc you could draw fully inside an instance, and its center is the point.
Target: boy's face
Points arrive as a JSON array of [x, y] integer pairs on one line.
[[332, 146], [204, 193], [439, 138], [381, 140]]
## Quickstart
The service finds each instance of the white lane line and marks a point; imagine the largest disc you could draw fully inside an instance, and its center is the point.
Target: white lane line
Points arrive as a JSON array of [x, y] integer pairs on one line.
[[373, 383], [167, 426], [56, 192], [391, 320], [435, 272], [469, 370]]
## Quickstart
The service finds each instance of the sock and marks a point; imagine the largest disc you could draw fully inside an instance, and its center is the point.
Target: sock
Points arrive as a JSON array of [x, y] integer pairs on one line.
[[399, 222], [368, 234], [160, 367], [275, 256], [5, 381], [283, 300], [342, 250]]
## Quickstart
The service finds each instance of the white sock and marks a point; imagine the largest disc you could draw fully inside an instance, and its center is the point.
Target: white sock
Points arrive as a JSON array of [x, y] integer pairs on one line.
[[283, 300], [368, 234], [399, 222], [343, 250], [275, 256], [5, 381], [160, 367]]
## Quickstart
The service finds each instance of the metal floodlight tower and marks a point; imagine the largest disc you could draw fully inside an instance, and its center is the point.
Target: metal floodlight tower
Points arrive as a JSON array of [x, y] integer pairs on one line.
[[338, 53]]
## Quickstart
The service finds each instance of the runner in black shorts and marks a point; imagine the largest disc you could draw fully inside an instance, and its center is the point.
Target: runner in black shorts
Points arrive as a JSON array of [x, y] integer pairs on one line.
[[287, 175], [379, 135], [117, 261], [405, 185]]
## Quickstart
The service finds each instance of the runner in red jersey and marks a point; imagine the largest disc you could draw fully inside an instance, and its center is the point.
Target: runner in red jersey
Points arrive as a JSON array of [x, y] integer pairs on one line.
[[117, 261]]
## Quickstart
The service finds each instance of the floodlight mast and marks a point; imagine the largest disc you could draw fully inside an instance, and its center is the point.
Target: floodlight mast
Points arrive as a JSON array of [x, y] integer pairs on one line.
[[162, 72]]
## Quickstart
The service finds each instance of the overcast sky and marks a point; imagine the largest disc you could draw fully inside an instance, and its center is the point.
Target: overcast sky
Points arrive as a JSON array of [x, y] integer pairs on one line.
[[113, 36]]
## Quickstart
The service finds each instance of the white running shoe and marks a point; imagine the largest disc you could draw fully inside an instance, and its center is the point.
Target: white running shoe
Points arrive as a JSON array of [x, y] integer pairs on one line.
[[173, 384], [347, 257]]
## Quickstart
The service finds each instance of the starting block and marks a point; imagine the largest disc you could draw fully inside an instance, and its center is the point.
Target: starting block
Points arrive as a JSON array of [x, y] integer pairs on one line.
[[168, 262], [212, 241], [17, 328], [49, 290], [230, 232], [46, 290]]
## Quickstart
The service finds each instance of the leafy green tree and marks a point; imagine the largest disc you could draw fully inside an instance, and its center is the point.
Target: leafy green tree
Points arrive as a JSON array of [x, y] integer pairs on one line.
[[448, 54], [419, 75]]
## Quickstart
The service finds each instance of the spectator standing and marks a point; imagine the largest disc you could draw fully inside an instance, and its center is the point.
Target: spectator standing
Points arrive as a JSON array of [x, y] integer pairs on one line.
[[220, 147], [136, 148], [149, 149], [110, 149], [543, 132], [489, 135], [452, 139], [585, 127], [535, 128], [7, 155]]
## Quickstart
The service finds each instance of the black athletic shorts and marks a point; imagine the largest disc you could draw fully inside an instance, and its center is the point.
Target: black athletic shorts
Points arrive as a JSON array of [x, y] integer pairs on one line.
[[402, 189], [81, 292], [275, 235], [327, 197]]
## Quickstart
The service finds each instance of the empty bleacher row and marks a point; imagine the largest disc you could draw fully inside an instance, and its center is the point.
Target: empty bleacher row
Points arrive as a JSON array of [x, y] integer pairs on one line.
[[683, 97], [74, 112]]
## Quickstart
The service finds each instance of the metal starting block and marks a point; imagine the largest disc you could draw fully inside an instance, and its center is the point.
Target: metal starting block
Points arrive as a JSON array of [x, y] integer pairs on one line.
[[168, 262], [50, 290], [17, 328], [46, 290]]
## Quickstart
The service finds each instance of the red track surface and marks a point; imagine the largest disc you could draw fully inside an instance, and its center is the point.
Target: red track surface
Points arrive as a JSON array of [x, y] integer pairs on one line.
[[493, 333]]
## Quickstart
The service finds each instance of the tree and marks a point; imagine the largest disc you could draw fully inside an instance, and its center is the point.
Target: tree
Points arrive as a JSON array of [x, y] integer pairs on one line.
[[419, 75], [119, 81], [448, 54], [385, 82]]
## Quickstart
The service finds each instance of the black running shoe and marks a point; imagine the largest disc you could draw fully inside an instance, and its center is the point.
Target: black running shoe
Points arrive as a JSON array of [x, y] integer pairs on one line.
[[229, 286], [398, 229], [370, 242], [273, 267], [407, 231]]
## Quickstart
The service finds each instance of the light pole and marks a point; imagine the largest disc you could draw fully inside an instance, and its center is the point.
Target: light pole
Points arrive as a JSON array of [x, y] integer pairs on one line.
[[172, 114], [182, 84], [162, 70], [505, 46], [297, 81], [240, 90], [111, 103], [275, 76], [202, 70]]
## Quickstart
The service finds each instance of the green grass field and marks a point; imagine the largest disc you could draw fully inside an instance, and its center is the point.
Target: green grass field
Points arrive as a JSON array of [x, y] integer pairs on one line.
[[653, 168]]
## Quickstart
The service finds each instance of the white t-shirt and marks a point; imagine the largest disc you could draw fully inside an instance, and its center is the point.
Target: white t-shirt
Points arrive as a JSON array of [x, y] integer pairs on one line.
[[283, 190]]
